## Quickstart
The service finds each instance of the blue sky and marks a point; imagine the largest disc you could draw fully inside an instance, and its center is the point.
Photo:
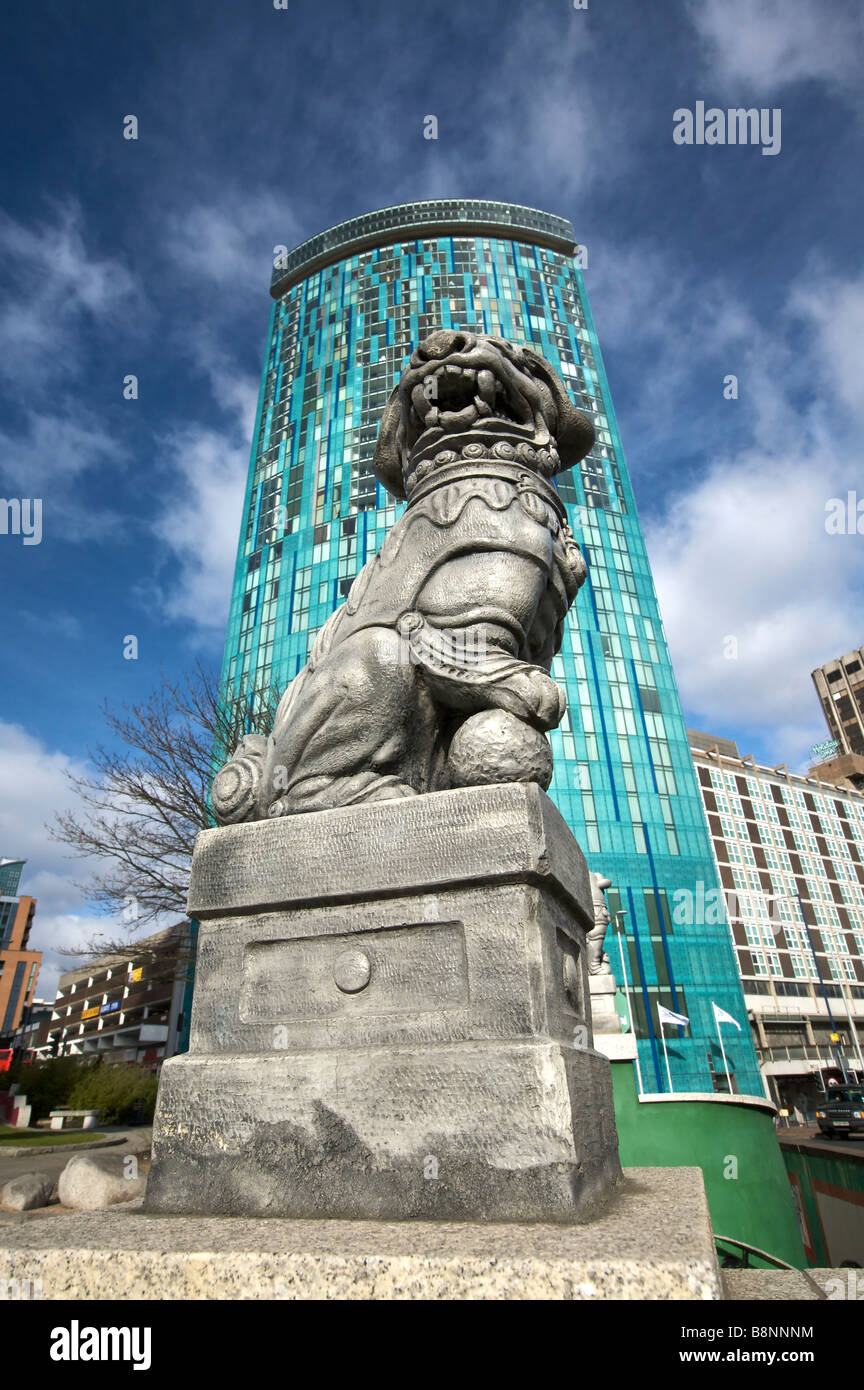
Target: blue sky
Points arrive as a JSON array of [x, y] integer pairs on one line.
[[260, 126]]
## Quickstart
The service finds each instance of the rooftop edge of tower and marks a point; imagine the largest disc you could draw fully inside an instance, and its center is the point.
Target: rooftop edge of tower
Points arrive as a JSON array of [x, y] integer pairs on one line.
[[434, 217]]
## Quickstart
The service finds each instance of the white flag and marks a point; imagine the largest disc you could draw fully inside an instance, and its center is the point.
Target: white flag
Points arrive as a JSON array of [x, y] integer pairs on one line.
[[721, 1016], [667, 1016]]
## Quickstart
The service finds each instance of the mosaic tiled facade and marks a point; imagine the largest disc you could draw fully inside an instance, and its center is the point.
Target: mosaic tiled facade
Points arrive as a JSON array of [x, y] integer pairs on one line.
[[349, 306]]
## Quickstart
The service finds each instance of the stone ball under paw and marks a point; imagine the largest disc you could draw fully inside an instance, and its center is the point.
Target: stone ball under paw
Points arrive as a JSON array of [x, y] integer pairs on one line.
[[494, 747], [234, 790]]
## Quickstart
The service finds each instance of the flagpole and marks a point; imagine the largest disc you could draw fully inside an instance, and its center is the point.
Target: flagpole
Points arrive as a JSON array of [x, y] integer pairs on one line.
[[619, 934], [666, 1056], [723, 1050]]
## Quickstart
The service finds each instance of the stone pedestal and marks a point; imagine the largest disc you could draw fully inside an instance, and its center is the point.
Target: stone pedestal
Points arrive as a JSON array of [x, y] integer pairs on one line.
[[391, 1019], [604, 1015]]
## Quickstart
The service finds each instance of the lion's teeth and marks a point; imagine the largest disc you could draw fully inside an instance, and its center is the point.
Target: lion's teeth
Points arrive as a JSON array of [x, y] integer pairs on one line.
[[486, 386], [458, 419], [420, 401], [482, 407]]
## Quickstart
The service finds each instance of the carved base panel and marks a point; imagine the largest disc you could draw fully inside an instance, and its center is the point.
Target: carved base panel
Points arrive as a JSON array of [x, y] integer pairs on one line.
[[391, 1019], [473, 1131]]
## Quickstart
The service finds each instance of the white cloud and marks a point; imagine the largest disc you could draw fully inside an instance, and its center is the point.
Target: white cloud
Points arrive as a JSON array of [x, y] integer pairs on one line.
[[744, 553], [200, 523], [32, 788], [227, 246], [646, 296], [56, 282], [45, 459], [234, 390], [567, 134], [738, 547], [231, 241], [650, 306], [541, 120], [57, 286], [54, 448], [835, 310], [768, 44]]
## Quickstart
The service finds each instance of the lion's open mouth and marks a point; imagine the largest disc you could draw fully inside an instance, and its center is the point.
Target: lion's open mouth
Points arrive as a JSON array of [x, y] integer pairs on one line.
[[455, 397], [456, 382]]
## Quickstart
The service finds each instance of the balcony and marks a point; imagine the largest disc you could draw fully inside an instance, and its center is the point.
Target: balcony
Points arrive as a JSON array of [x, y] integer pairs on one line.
[[800, 1061], [813, 1005], [139, 1032]]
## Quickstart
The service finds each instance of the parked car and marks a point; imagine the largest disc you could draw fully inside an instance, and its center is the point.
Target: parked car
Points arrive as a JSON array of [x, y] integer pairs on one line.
[[842, 1114]]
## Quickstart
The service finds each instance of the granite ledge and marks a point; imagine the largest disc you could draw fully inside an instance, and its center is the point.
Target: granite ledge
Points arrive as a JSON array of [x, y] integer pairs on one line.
[[653, 1241]]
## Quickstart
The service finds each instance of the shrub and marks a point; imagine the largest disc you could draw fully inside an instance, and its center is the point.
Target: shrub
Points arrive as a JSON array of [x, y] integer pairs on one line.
[[122, 1092], [48, 1084]]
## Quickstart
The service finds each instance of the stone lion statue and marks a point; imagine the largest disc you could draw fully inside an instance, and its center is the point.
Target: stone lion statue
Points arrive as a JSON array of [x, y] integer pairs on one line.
[[435, 671]]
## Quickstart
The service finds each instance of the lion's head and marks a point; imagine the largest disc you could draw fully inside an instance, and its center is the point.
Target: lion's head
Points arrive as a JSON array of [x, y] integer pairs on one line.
[[462, 389]]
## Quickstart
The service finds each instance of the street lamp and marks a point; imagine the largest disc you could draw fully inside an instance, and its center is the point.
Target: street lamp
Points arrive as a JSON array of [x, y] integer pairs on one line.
[[774, 897], [619, 932]]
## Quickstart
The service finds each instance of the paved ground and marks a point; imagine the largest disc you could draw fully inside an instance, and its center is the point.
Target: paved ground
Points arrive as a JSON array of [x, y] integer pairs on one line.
[[842, 1148], [788, 1285], [52, 1165]]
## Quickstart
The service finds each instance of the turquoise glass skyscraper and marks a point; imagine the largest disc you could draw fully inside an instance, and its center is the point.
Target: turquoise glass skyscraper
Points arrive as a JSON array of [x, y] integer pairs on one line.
[[349, 307]]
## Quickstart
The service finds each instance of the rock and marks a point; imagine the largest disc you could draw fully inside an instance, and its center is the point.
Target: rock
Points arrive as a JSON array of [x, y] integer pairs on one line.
[[89, 1182], [139, 1141], [27, 1191]]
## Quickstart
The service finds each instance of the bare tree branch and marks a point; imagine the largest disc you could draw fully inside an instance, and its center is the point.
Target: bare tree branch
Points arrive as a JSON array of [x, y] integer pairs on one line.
[[145, 801]]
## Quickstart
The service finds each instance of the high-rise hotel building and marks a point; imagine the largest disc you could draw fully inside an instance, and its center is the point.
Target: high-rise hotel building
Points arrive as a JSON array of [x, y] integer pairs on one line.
[[349, 306], [790, 853]]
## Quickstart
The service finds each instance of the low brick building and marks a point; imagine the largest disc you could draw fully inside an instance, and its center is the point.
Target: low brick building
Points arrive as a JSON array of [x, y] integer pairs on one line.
[[19, 965], [131, 1005]]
